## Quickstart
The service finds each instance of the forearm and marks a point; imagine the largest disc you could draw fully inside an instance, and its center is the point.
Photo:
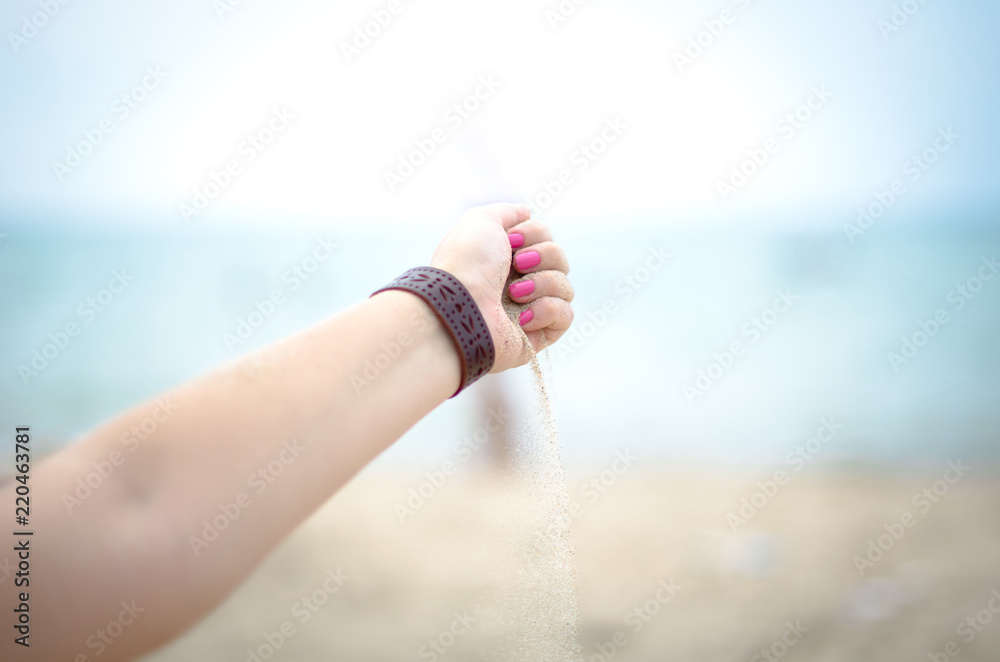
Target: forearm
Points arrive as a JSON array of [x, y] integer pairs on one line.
[[293, 407], [151, 520]]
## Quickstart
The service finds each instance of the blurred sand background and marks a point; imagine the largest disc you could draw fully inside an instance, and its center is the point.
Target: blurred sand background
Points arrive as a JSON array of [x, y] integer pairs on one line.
[[792, 564]]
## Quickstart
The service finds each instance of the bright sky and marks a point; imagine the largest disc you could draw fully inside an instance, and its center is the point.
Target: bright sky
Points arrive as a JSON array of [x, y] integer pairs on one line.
[[678, 133]]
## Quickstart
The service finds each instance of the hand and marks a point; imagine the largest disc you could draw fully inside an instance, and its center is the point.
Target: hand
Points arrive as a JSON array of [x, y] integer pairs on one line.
[[478, 251]]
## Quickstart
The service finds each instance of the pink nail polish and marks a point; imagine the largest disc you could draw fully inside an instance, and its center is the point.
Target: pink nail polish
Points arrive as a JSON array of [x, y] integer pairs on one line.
[[527, 260], [516, 240], [526, 317], [522, 289]]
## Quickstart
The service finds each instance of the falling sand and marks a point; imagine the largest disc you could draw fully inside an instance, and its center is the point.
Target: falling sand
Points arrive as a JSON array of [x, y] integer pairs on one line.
[[537, 605]]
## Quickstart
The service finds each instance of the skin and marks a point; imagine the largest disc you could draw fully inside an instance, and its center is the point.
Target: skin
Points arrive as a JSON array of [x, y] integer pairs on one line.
[[130, 539]]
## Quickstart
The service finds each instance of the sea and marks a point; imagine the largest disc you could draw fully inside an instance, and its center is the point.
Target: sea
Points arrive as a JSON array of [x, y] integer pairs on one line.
[[724, 344]]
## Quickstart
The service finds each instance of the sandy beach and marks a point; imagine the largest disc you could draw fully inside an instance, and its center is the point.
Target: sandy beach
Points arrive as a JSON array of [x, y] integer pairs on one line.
[[661, 575]]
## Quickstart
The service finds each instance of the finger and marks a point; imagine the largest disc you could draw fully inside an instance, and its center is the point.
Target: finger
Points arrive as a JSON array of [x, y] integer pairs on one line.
[[547, 313], [541, 257], [528, 233], [506, 213], [541, 284]]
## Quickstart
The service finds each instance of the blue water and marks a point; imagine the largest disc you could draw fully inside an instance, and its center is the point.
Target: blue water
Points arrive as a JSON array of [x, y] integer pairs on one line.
[[621, 386]]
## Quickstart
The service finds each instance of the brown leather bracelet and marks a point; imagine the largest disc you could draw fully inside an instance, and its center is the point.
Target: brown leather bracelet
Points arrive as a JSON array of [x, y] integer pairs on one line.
[[456, 308]]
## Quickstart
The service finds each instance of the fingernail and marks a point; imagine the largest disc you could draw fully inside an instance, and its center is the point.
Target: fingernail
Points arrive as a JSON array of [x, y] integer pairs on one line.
[[526, 317], [527, 260], [522, 289], [516, 240]]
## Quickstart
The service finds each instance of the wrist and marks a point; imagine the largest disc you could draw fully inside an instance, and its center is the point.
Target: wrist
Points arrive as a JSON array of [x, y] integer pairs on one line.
[[421, 333], [458, 313]]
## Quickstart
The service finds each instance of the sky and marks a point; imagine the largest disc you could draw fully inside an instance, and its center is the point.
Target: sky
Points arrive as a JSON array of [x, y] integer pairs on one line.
[[197, 120], [226, 73]]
